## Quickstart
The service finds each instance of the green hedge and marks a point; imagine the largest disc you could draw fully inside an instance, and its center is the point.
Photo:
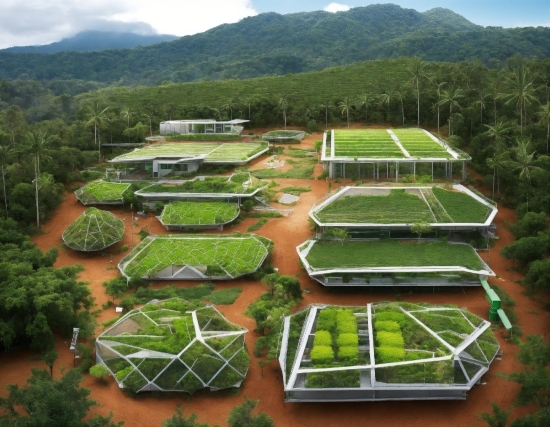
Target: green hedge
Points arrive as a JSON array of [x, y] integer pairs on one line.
[[390, 339], [327, 319], [387, 325], [346, 322], [389, 354], [390, 315], [322, 338], [348, 340], [349, 354], [322, 355]]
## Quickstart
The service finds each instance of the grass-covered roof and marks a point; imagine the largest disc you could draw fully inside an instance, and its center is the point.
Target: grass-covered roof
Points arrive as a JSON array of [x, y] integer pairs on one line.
[[102, 192], [94, 230], [199, 213]]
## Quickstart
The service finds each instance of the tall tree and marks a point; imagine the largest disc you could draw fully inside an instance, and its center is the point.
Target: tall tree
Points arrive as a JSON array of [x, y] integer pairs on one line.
[[326, 105], [228, 106], [451, 97], [241, 416], [438, 103], [36, 144], [399, 95], [97, 117], [364, 100], [13, 120], [417, 71], [544, 116], [127, 113], [345, 106], [524, 163], [283, 105], [5, 151], [498, 134]]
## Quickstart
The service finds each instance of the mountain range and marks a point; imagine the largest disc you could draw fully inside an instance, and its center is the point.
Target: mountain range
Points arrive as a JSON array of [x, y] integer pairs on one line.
[[273, 44]]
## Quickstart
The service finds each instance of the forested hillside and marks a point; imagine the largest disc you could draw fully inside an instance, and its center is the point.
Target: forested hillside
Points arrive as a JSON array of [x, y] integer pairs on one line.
[[273, 44]]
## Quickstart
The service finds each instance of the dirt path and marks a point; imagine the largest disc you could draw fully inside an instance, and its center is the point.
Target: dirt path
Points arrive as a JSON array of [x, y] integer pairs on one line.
[[287, 233]]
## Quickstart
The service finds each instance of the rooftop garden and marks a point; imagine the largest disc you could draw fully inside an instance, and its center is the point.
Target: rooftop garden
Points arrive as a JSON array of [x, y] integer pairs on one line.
[[461, 207], [173, 345], [94, 230], [206, 256], [199, 213], [369, 143], [102, 192], [283, 135], [413, 344], [390, 253], [239, 183], [419, 144]]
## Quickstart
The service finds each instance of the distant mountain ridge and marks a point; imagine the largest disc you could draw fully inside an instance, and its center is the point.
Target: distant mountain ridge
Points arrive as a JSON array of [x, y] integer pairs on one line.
[[95, 40], [273, 44]]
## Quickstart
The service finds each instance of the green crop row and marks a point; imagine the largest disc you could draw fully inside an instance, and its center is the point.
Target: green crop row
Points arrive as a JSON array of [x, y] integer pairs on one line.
[[461, 207], [199, 213]]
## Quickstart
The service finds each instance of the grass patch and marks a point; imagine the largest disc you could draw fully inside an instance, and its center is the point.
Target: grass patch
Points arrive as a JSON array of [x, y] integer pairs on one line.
[[203, 137], [199, 213], [296, 191], [239, 183], [297, 172], [257, 225], [99, 192], [461, 207]]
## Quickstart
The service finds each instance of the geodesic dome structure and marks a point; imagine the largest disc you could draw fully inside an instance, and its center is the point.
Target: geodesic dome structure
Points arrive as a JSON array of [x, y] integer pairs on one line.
[[102, 193], [384, 351], [172, 346], [94, 230]]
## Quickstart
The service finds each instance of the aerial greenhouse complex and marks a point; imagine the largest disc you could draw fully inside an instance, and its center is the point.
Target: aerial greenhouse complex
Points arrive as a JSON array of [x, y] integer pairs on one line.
[[94, 230], [448, 208], [102, 193], [196, 257], [387, 153], [392, 263], [173, 345], [194, 214], [384, 351]]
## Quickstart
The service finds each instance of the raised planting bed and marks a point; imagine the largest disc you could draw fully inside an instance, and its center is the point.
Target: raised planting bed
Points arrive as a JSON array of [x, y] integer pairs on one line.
[[102, 193], [284, 136], [449, 207], [384, 351], [196, 257], [94, 230], [371, 143], [238, 185], [173, 345], [236, 153], [198, 214], [421, 144]]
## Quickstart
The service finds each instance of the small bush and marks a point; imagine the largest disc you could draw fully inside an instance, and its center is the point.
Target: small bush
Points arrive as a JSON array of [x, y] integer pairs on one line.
[[390, 315], [322, 355], [387, 325], [100, 372], [389, 354], [322, 338], [327, 320], [348, 340], [349, 354], [390, 339]]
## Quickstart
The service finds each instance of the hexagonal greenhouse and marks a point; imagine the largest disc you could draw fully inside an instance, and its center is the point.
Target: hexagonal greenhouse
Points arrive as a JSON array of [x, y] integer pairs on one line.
[[102, 193], [173, 345], [384, 351], [94, 230]]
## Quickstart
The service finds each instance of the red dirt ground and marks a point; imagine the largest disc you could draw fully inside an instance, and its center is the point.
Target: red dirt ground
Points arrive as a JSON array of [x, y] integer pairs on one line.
[[287, 233]]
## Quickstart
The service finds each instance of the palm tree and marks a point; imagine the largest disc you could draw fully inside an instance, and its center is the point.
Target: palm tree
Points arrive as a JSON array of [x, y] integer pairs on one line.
[[520, 91], [498, 133], [385, 99], [438, 103], [400, 96], [4, 154], [417, 71], [364, 99], [326, 105], [149, 117], [544, 115], [481, 103], [97, 117], [496, 163], [524, 164], [248, 101], [127, 114], [228, 106], [450, 97], [283, 105], [36, 143], [345, 106]]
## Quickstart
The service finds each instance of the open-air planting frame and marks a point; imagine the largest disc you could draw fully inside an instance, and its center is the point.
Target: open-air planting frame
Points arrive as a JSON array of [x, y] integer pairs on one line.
[[373, 153], [392, 263], [173, 345], [237, 186], [398, 207], [284, 135], [102, 193], [384, 351], [94, 230], [238, 153], [196, 257], [195, 214]]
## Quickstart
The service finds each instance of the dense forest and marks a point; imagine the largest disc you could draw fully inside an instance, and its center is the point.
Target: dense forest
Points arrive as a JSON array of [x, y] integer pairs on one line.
[[293, 43]]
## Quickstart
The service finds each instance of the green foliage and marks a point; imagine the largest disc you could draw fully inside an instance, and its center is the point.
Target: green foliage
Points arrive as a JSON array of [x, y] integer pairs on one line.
[[389, 354], [346, 322], [460, 206], [347, 339], [530, 225], [199, 213], [210, 184], [390, 339], [349, 354], [100, 372], [334, 379], [94, 230], [322, 355], [204, 137], [322, 338], [257, 225], [241, 416], [101, 192], [386, 325], [180, 420], [327, 319]]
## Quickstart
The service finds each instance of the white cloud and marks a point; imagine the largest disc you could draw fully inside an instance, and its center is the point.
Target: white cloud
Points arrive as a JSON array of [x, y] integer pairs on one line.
[[336, 7], [35, 22]]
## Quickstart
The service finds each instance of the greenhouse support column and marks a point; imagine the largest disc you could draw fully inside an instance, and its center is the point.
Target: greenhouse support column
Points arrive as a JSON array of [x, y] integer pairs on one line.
[[414, 169], [387, 169], [343, 170], [463, 170], [451, 170], [432, 171], [396, 171]]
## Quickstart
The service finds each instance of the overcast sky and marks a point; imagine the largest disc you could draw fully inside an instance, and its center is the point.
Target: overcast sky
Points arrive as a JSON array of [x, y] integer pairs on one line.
[[33, 22]]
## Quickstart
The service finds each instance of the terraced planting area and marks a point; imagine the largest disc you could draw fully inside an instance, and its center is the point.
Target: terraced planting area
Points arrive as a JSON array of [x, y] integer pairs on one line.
[[370, 143], [239, 183], [174, 345], [461, 207], [101, 192], [228, 152], [418, 144], [371, 254], [398, 207], [215, 256], [199, 213]]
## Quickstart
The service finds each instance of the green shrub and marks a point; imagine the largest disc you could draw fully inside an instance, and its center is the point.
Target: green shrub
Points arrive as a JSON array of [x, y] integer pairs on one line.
[[100, 372], [390, 339], [322, 355], [322, 338], [335, 379], [387, 325], [346, 322], [389, 354], [327, 319], [390, 315], [348, 340], [120, 375], [349, 354]]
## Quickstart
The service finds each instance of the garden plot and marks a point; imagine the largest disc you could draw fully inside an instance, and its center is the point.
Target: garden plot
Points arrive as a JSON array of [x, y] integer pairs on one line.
[[384, 351], [102, 193], [284, 136], [419, 144], [94, 230], [174, 345], [198, 214], [195, 257], [371, 143], [461, 207]]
